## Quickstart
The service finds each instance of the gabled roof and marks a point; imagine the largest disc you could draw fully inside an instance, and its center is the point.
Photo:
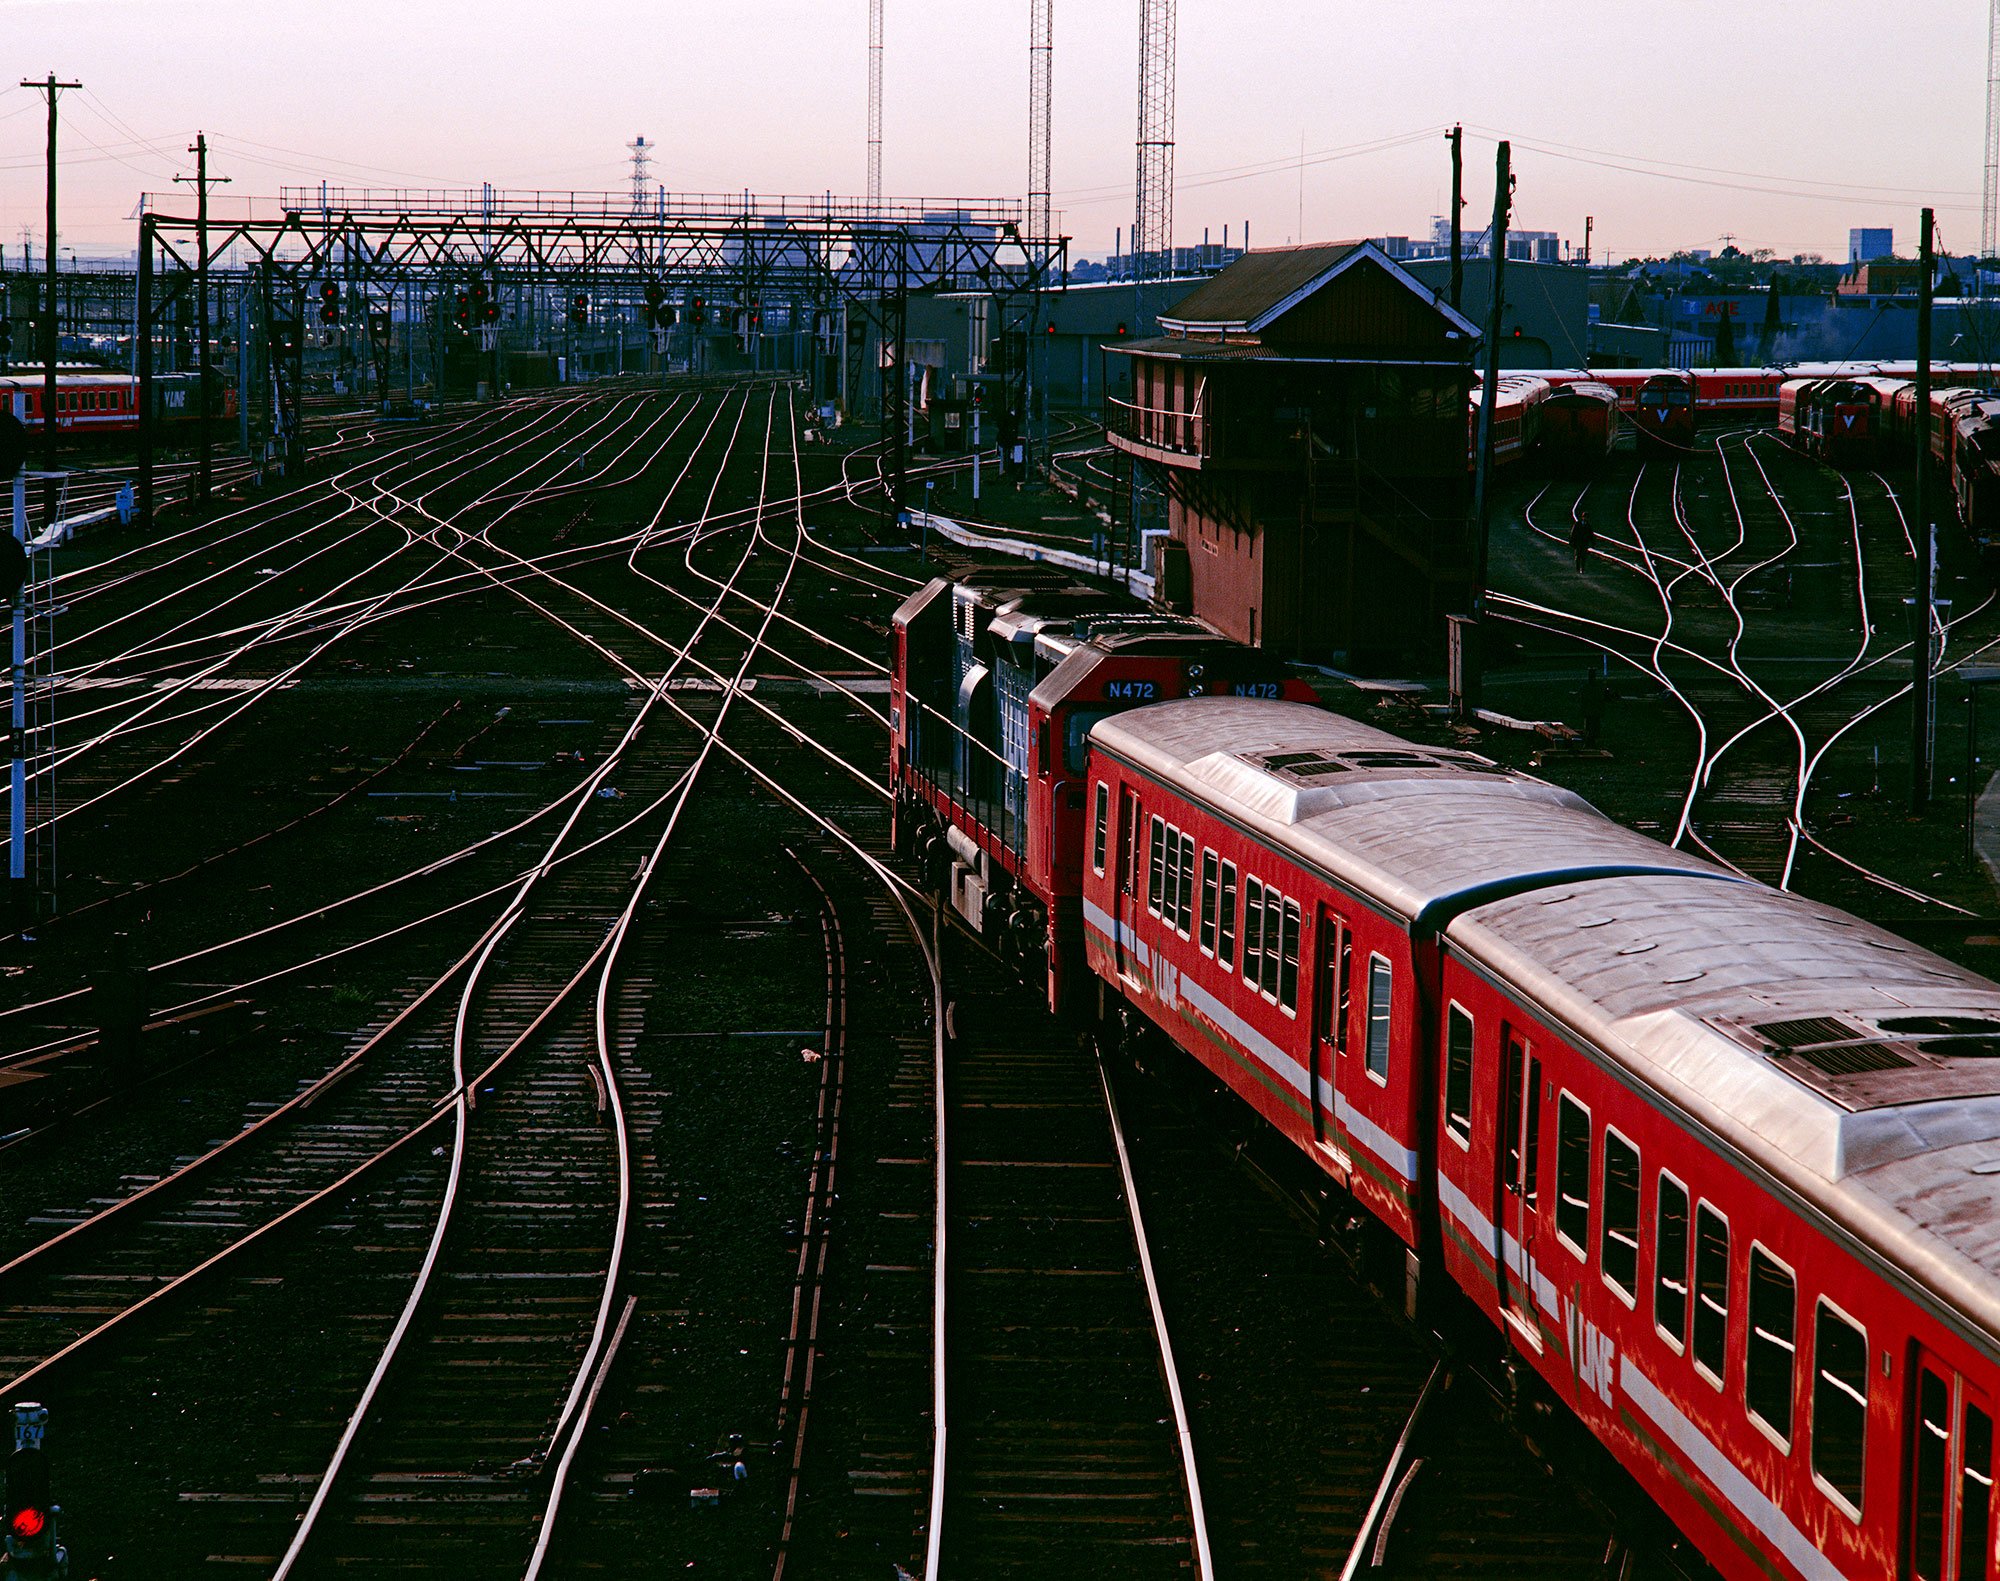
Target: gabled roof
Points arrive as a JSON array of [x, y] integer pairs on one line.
[[1262, 286]]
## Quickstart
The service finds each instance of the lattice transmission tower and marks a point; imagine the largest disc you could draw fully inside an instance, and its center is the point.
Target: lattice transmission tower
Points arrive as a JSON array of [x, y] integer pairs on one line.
[[1041, 93], [642, 158], [874, 105], [1153, 211], [1989, 217]]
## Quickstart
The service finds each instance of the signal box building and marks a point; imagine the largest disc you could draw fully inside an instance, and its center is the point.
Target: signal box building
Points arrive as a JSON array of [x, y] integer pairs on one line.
[[1305, 413]]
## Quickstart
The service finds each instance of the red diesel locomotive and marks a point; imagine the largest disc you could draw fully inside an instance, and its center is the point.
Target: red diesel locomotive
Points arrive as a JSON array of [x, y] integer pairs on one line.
[[1716, 1164]]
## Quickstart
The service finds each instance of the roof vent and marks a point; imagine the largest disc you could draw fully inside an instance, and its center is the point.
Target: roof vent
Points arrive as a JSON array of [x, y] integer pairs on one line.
[[1786, 1035], [1851, 1059]]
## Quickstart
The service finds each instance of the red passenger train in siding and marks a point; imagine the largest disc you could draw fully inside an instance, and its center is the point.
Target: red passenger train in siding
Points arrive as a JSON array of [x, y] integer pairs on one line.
[[1719, 1166]]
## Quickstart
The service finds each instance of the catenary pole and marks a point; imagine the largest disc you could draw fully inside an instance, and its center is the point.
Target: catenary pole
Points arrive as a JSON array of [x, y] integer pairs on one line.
[[1482, 494], [1456, 137], [1923, 684], [54, 91], [202, 181]]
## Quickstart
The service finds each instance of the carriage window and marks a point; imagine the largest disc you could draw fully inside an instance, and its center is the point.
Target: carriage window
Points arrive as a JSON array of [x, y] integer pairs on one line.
[[1573, 1175], [1274, 934], [1207, 902], [1670, 1247], [1100, 818], [1380, 983], [1458, 1076], [1253, 931], [1343, 987], [1170, 894], [1975, 1495], [1156, 866], [1226, 921], [1619, 1250], [1288, 971], [1772, 1347], [1839, 1406], [1933, 1445], [1187, 884], [1711, 1293]]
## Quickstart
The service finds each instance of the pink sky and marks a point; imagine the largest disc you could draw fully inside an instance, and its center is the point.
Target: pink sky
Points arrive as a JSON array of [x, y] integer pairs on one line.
[[1781, 122]]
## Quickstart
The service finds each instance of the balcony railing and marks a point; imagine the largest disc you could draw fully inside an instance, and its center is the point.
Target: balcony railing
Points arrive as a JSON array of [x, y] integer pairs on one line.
[[1160, 427]]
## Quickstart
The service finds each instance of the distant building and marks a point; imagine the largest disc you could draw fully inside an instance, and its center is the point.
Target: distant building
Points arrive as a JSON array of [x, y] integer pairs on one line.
[[1881, 277], [1525, 246], [1866, 244]]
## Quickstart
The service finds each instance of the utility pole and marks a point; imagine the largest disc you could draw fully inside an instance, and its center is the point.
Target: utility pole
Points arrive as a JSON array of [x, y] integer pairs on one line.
[[1482, 495], [1923, 685], [1589, 224], [53, 90], [202, 181], [1456, 137], [1041, 94]]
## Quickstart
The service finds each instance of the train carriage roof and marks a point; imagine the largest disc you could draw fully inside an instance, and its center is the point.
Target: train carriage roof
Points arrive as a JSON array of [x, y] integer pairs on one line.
[[1416, 830], [1857, 1068]]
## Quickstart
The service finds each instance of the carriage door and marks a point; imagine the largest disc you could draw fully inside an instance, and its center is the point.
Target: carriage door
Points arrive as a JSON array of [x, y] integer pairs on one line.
[[1517, 1151], [1124, 896], [1332, 968], [1950, 1466]]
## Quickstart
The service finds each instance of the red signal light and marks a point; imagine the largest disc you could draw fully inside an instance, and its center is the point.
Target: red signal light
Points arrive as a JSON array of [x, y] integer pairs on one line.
[[28, 1522]]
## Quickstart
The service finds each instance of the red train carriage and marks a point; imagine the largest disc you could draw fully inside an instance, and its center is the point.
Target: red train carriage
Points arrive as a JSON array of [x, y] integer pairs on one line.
[[1517, 418], [87, 403], [1975, 468], [1266, 884], [1739, 394], [1663, 413], [1580, 423], [94, 403], [994, 685], [1712, 1160], [1738, 1148]]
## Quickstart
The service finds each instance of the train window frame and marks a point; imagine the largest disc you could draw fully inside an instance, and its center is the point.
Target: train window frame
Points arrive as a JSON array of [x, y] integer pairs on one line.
[[1291, 925], [1387, 978], [1251, 918], [1100, 827], [1184, 919], [1782, 1436], [1676, 1339], [1717, 1379], [1608, 1228], [1458, 1073], [1209, 892], [1156, 863], [1274, 937], [1567, 1103], [1825, 1307], [1225, 921]]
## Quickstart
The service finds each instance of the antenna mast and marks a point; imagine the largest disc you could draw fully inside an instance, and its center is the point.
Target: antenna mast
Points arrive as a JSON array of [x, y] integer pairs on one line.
[[1041, 92], [875, 105], [1153, 211]]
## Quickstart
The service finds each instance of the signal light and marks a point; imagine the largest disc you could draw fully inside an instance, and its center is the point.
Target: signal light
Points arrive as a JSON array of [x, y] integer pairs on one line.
[[1049, 330], [329, 303], [464, 308], [697, 313], [1121, 331], [579, 308], [28, 1522]]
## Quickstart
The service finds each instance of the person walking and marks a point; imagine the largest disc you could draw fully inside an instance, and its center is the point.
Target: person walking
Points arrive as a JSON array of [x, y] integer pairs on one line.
[[1580, 539]]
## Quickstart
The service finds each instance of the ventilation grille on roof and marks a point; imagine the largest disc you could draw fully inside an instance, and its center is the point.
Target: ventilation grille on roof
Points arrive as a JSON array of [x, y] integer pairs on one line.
[[1811, 1029], [1852, 1059]]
